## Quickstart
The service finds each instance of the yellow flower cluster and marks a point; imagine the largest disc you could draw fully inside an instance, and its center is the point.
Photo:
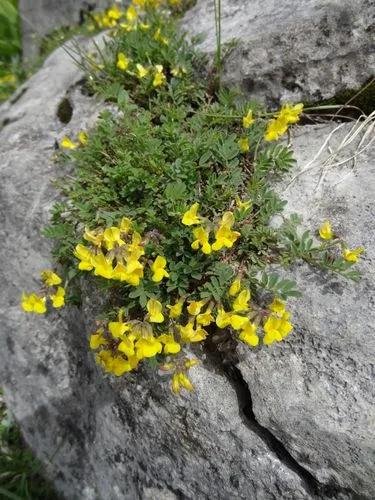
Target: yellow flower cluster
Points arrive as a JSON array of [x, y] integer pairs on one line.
[[129, 19], [277, 325], [247, 121], [245, 318], [179, 369], [326, 233], [279, 125], [67, 143], [115, 252], [225, 237], [111, 17], [156, 72], [122, 345], [34, 303]]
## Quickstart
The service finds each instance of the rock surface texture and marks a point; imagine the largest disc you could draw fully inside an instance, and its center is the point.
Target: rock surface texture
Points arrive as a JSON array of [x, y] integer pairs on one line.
[[290, 422], [40, 17], [291, 50]]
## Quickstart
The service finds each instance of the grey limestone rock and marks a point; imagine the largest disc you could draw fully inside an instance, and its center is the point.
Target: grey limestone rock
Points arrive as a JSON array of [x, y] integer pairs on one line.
[[290, 50], [40, 17], [315, 392]]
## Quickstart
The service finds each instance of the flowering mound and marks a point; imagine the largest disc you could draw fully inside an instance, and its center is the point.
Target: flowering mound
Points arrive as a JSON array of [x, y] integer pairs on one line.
[[168, 209]]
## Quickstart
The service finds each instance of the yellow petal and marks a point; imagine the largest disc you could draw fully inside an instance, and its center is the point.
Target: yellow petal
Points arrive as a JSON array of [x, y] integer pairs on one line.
[[154, 308]]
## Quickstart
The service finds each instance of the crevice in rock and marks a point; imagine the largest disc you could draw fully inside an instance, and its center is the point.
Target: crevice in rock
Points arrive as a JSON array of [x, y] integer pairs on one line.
[[245, 404], [312, 486], [7, 121], [18, 94], [64, 111]]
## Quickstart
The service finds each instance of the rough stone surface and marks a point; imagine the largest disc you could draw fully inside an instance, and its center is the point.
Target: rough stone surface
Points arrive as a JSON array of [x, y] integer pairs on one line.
[[293, 421], [40, 17], [316, 392], [291, 50]]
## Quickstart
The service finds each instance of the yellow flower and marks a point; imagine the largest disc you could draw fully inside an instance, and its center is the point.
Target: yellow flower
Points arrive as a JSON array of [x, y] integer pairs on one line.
[[179, 381], [158, 268], [189, 363], [235, 287], [352, 255], [223, 318], [275, 129], [154, 309], [125, 225], [105, 359], [241, 302], [195, 307], [142, 71], [103, 266], [248, 119], [206, 318], [135, 246], [33, 303], [58, 299], [85, 255], [121, 366], [83, 138], [118, 328], [290, 114], [249, 336], [50, 278], [95, 237], [114, 12], [238, 322], [112, 237], [244, 145], [131, 14], [178, 71], [122, 61], [126, 346], [201, 240], [132, 273], [243, 205], [189, 334], [159, 77], [276, 329], [160, 38], [148, 347], [191, 216], [176, 310], [97, 339], [170, 345], [225, 238], [325, 231], [108, 22], [144, 26], [67, 143], [277, 306]]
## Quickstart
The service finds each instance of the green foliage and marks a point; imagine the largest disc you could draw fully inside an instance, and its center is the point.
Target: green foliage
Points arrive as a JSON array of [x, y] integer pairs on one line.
[[10, 43], [167, 148], [169, 211], [10, 48], [281, 287]]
